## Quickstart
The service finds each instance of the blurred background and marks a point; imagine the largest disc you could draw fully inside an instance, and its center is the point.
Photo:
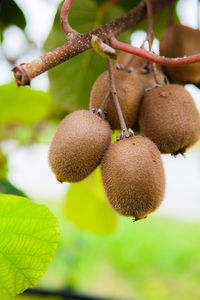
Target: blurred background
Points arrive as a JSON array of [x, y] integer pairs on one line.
[[99, 253]]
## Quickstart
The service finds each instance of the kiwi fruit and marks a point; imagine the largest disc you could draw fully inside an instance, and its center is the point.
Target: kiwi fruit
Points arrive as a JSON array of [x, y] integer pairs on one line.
[[133, 177], [178, 41], [169, 117], [139, 65], [129, 91], [78, 145]]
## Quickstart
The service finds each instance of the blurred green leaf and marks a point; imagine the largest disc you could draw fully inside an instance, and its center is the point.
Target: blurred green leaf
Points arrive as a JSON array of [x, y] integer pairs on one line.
[[3, 165], [86, 205], [7, 188], [72, 81], [10, 14], [161, 21], [23, 105], [28, 241]]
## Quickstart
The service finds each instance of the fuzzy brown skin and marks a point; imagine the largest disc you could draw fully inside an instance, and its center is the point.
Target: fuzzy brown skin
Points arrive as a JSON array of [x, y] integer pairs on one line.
[[139, 63], [169, 117], [133, 177], [178, 41], [129, 91], [78, 145]]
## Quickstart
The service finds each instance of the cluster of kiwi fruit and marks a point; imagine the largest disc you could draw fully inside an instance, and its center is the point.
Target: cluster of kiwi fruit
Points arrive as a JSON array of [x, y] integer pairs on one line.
[[163, 115]]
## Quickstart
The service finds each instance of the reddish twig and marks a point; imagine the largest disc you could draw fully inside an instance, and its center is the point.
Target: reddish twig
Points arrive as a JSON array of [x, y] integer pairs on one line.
[[162, 60], [64, 18], [25, 72]]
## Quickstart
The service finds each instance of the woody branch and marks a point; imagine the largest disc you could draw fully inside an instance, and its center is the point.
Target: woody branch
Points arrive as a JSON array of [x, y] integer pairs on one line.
[[25, 72]]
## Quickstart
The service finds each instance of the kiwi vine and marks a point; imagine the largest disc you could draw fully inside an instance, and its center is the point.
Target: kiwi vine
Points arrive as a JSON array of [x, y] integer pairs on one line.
[[146, 101]]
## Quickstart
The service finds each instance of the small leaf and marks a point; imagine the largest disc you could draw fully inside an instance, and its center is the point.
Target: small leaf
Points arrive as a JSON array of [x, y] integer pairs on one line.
[[28, 241], [23, 105], [102, 49], [87, 207]]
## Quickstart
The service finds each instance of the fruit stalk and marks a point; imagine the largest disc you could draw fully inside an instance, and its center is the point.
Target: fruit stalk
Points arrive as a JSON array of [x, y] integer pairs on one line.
[[114, 96], [25, 72], [149, 37], [103, 104]]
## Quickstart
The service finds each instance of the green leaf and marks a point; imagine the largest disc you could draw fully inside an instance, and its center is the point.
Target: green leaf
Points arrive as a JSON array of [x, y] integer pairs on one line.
[[71, 82], [87, 207], [160, 22], [23, 105], [11, 14], [28, 241], [3, 165], [7, 188]]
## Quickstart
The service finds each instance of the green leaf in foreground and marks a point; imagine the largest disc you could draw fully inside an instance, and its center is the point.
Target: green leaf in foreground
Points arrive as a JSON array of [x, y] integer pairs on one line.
[[28, 241], [23, 105], [87, 207]]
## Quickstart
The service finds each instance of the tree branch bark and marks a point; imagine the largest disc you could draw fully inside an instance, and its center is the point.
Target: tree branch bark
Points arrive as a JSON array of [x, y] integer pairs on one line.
[[25, 72]]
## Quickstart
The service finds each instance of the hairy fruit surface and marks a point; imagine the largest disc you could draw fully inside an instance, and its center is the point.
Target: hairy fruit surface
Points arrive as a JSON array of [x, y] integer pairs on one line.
[[129, 91], [78, 145], [169, 117], [133, 177], [179, 41]]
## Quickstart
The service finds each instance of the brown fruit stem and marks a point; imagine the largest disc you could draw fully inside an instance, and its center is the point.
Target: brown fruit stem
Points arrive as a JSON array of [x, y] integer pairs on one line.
[[113, 91], [155, 74], [149, 37], [170, 12], [100, 110], [25, 72], [103, 104]]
